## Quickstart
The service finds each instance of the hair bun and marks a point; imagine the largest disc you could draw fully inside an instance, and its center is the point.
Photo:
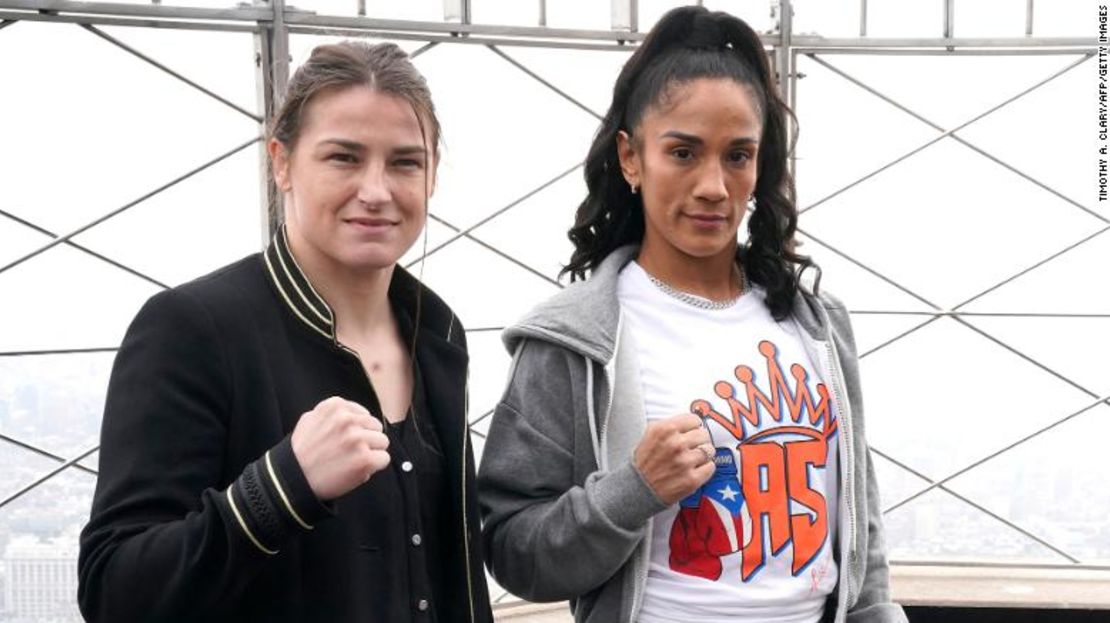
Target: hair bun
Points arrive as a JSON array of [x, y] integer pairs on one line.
[[705, 32]]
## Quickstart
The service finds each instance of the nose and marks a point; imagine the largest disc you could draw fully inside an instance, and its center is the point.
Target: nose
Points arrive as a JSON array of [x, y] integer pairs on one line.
[[373, 188], [710, 185]]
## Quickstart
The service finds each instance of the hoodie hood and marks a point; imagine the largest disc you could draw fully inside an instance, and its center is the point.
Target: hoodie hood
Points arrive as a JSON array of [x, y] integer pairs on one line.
[[585, 316]]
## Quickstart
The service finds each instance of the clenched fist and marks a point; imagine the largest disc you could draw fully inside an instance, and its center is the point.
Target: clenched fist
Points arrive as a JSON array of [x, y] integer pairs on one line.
[[339, 446], [675, 457]]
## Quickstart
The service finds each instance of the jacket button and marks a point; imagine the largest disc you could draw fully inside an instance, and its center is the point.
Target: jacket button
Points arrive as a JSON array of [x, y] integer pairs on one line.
[[406, 466], [422, 605], [416, 540]]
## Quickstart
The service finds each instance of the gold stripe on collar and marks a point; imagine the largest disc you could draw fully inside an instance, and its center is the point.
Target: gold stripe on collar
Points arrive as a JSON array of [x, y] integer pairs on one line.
[[295, 288]]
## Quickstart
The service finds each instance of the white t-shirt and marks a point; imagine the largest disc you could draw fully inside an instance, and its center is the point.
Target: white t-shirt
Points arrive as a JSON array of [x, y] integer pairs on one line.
[[755, 542]]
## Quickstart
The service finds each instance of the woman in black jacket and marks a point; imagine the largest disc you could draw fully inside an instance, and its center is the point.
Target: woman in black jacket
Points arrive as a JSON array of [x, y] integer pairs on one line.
[[285, 439]]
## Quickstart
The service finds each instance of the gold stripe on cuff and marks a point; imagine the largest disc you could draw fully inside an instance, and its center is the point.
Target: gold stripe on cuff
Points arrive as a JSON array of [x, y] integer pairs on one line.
[[243, 524], [281, 492]]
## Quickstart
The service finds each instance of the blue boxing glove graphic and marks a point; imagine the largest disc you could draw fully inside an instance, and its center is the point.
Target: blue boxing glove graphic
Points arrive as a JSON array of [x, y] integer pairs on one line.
[[710, 522]]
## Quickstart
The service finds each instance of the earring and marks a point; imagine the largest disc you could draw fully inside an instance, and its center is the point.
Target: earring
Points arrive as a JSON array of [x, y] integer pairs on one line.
[[633, 187], [751, 202]]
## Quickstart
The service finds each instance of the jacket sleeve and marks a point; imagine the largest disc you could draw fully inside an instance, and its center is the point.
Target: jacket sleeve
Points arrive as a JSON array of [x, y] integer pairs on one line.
[[172, 534], [553, 529], [873, 604]]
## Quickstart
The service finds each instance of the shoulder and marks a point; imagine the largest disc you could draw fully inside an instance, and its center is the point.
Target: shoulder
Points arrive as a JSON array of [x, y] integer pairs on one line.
[[218, 298]]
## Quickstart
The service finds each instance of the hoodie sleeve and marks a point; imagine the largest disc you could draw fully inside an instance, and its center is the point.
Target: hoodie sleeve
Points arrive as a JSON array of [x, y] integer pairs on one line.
[[554, 527]]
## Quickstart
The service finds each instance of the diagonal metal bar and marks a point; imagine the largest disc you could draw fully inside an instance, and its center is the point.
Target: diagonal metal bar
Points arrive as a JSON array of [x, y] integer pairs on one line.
[[939, 313], [538, 78], [79, 247], [502, 597], [1022, 355], [978, 507], [898, 337], [64, 351], [485, 329], [961, 140], [947, 133], [61, 468], [41, 452], [466, 232], [480, 418], [123, 46], [497, 251], [117, 211], [1035, 266], [424, 48], [970, 466], [868, 269], [478, 433], [894, 312], [8, 22]]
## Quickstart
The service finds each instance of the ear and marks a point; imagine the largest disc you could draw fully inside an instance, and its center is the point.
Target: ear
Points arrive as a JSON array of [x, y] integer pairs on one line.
[[279, 164], [630, 160]]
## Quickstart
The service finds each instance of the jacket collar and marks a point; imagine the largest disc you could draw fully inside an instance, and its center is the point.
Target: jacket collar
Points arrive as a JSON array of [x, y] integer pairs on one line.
[[303, 301]]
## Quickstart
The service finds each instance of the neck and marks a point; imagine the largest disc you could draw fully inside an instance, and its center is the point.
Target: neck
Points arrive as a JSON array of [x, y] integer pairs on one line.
[[714, 278], [359, 300]]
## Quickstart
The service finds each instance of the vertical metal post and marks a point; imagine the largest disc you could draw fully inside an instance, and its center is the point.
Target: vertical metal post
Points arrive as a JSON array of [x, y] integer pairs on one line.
[[783, 57], [272, 74], [793, 103], [457, 11], [863, 18], [949, 18], [543, 12], [625, 15], [1028, 18]]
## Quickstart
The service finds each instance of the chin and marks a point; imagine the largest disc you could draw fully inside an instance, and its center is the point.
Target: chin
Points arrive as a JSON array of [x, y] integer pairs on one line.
[[378, 259]]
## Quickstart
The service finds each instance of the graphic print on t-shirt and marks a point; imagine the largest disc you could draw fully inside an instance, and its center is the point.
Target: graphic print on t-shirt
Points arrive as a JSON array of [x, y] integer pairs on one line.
[[760, 499]]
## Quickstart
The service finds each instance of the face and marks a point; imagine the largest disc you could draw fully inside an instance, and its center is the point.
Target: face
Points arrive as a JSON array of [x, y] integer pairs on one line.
[[693, 160], [355, 181]]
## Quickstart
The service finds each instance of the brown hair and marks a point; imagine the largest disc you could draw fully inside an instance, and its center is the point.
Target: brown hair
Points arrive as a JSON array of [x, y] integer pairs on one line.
[[383, 67]]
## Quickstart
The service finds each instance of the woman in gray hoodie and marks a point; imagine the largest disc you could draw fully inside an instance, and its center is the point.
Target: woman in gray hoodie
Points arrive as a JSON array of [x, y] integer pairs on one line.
[[682, 433]]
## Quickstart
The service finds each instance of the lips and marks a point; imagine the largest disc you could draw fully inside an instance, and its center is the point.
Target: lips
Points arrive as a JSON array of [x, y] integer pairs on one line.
[[370, 221], [708, 219]]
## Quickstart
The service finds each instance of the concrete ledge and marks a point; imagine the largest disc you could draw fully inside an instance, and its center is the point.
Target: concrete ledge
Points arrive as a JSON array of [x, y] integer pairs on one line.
[[1056, 588], [938, 586]]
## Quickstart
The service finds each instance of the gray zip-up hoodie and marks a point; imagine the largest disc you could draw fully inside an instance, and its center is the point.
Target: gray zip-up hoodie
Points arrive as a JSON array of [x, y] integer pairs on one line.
[[566, 514]]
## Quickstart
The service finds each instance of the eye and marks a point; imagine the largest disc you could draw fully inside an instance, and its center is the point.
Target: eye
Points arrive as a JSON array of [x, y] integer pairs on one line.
[[682, 153], [408, 163], [739, 156], [342, 157]]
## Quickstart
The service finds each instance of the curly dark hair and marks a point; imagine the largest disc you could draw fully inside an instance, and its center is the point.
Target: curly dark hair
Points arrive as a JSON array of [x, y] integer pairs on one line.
[[689, 43]]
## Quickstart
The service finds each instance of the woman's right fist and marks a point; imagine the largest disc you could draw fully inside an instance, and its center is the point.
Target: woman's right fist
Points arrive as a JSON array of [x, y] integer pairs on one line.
[[339, 446]]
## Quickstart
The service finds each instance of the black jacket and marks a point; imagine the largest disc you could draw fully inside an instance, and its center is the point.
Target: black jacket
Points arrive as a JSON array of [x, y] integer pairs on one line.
[[201, 511]]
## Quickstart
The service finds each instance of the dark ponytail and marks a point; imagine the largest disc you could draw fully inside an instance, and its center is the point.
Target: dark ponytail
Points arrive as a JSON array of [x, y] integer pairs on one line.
[[689, 43]]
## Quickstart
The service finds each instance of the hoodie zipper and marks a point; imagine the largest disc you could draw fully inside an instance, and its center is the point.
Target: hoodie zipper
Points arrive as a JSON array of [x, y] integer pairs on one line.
[[847, 461]]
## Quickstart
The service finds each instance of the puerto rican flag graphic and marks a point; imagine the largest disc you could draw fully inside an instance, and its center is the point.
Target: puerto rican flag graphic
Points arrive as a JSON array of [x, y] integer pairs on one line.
[[712, 522]]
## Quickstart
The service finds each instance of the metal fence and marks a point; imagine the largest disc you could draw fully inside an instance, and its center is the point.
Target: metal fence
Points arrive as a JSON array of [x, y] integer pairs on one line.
[[272, 24]]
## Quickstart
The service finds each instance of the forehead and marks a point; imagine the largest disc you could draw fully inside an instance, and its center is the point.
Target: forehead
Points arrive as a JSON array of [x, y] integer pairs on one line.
[[705, 106], [363, 114]]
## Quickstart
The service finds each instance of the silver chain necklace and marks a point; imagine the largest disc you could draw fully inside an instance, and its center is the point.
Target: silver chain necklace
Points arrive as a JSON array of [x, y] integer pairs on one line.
[[698, 301]]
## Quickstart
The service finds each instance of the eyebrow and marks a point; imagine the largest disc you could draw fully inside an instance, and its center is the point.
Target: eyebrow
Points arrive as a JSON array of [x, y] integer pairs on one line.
[[695, 140], [403, 150]]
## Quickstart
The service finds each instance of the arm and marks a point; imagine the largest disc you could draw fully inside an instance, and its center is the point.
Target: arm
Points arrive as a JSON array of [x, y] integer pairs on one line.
[[553, 530], [169, 538]]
